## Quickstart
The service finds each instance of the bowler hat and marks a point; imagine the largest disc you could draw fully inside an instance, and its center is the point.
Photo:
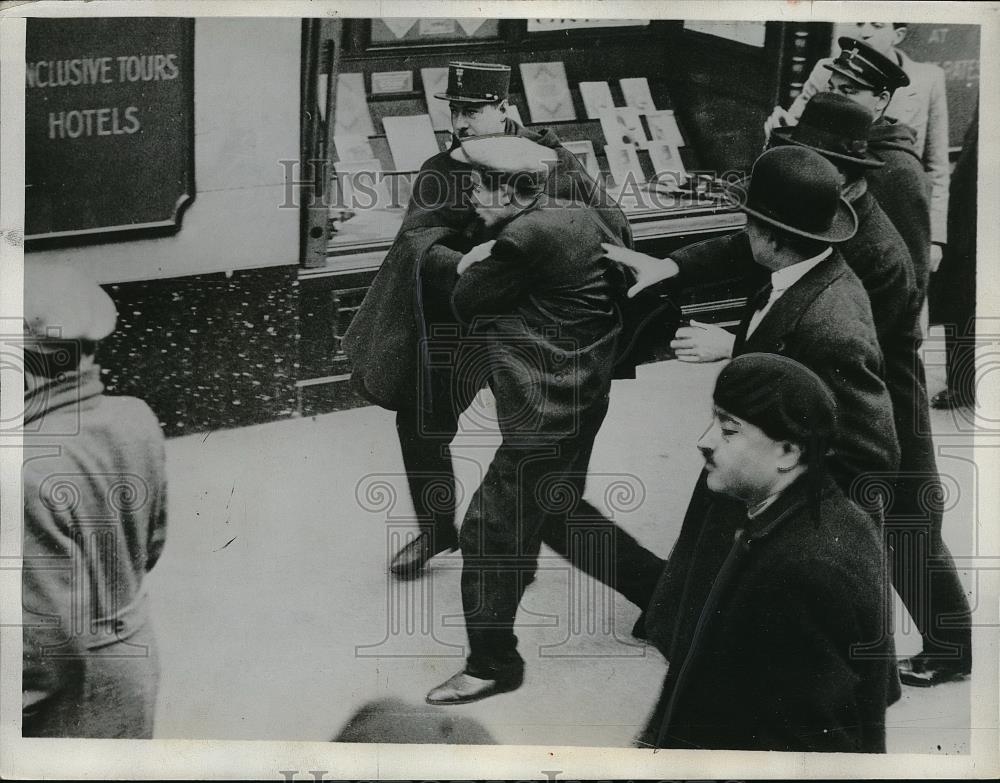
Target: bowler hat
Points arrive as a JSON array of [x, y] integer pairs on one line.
[[476, 83], [836, 127], [863, 65], [798, 191]]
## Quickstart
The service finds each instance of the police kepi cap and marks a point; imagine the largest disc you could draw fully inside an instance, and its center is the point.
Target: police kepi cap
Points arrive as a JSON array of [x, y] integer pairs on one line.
[[836, 127], [476, 83], [797, 190], [61, 304], [507, 156], [864, 65], [782, 397]]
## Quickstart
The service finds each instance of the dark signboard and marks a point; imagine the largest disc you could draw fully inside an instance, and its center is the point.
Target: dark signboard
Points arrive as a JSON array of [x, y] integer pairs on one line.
[[109, 124]]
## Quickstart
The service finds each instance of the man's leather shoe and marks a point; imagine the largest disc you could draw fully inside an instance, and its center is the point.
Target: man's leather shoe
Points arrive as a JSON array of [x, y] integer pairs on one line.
[[409, 561], [948, 400], [463, 688], [922, 671]]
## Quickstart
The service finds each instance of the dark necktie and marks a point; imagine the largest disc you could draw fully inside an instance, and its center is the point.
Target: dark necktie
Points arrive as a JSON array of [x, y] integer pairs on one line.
[[757, 304], [760, 298]]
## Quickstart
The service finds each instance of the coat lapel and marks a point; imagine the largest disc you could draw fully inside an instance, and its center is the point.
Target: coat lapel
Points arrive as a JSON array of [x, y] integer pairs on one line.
[[786, 312]]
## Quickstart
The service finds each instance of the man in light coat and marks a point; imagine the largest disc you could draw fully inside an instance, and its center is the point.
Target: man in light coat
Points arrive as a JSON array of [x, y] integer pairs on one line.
[[94, 523]]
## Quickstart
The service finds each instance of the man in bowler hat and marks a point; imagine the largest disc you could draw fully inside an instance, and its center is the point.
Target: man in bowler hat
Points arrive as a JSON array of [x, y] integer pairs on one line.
[[544, 304], [813, 309], [924, 574], [764, 655], [783, 204], [405, 318]]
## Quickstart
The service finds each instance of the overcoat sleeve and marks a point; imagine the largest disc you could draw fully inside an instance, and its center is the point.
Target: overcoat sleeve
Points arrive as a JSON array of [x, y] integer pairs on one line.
[[936, 157], [492, 286], [853, 369]]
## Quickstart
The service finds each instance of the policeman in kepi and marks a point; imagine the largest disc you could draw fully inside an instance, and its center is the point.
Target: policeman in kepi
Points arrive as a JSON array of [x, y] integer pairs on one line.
[[406, 316]]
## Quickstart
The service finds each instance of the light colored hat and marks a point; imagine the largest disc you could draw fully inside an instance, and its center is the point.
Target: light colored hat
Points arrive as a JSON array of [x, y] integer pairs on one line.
[[61, 303], [503, 154]]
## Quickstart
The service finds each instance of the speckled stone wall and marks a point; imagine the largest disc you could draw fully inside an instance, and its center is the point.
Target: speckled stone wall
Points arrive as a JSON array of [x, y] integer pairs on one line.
[[209, 351]]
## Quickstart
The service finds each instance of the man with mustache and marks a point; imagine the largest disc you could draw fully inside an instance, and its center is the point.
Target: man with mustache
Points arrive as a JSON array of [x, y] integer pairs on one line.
[[763, 653]]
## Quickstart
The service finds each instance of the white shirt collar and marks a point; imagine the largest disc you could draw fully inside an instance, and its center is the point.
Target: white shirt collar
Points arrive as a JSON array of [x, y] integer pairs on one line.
[[783, 279]]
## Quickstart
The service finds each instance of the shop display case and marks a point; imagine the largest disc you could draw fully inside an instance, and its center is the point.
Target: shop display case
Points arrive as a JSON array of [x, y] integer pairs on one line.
[[689, 100]]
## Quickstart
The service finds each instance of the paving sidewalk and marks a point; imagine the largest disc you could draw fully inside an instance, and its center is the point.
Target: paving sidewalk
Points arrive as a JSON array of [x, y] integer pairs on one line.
[[278, 619]]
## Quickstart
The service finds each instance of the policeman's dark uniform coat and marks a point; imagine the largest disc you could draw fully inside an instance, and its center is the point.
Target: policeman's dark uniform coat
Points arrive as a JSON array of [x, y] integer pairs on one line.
[[545, 306], [902, 188], [761, 657]]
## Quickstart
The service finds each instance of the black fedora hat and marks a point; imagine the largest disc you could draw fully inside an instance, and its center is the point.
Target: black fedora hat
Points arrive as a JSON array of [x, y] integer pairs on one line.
[[863, 65], [798, 191], [834, 126], [476, 83]]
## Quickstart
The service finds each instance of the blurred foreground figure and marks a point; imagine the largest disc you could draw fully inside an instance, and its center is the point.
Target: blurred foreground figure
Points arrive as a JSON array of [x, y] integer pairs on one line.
[[782, 647], [94, 523], [392, 720]]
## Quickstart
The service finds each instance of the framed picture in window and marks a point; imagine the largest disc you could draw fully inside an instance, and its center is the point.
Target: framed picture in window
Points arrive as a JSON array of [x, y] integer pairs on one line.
[[411, 31]]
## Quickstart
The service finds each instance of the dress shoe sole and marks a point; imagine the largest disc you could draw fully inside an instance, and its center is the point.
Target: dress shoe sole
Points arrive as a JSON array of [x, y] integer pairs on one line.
[[415, 568], [484, 694], [916, 681]]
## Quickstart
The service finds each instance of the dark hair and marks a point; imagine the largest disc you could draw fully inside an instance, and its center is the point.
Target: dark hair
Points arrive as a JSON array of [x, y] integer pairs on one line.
[[897, 25], [804, 246]]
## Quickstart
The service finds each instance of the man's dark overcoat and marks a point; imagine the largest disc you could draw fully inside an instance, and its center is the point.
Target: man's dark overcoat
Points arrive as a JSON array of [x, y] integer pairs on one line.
[[764, 657], [903, 190], [878, 256], [549, 316], [544, 308], [410, 295], [823, 321]]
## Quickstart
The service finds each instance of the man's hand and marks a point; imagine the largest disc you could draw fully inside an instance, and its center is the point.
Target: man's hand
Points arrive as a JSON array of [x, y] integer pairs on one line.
[[702, 343], [474, 256], [937, 253], [779, 119], [647, 270]]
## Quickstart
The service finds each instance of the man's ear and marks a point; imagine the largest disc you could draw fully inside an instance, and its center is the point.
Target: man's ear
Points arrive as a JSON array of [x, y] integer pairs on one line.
[[791, 456], [502, 106], [881, 102], [507, 195], [899, 33]]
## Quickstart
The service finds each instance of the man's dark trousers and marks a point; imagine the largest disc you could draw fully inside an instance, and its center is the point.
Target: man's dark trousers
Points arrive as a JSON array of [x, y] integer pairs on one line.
[[541, 483]]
